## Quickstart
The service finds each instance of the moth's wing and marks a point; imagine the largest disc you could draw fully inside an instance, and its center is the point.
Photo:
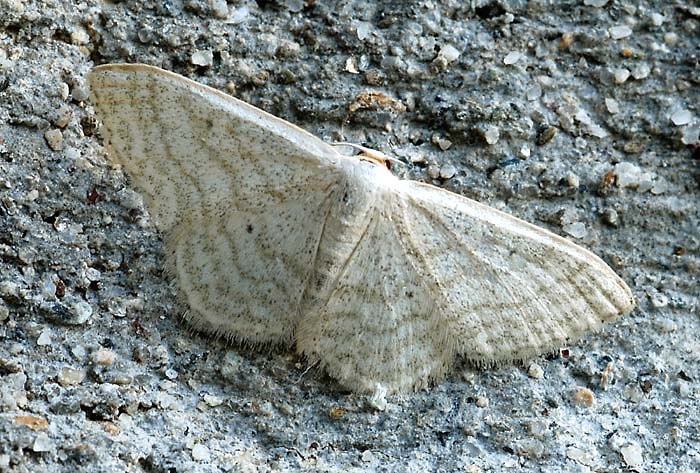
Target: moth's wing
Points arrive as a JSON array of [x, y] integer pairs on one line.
[[434, 275], [375, 321], [510, 290], [241, 195]]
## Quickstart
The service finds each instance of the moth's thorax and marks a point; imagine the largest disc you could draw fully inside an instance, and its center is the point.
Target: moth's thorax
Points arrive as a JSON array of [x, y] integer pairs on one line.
[[365, 192]]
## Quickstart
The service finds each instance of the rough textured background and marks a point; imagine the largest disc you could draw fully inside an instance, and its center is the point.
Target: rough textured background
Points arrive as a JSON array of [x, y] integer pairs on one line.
[[581, 116]]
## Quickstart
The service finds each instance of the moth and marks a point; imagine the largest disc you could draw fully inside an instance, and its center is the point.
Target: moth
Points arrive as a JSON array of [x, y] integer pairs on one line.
[[278, 238]]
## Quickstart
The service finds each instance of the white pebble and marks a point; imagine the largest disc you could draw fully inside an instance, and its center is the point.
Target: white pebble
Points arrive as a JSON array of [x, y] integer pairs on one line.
[[378, 398], [42, 443], [628, 174], [632, 455], [595, 3], [449, 53], [54, 138], [238, 15], [657, 19], [104, 357], [682, 117], [368, 456], [482, 401], [619, 32], [82, 311], [533, 93], [621, 75], [79, 36], [433, 171], [364, 30], [670, 39], [572, 180], [44, 338], [691, 135], [576, 229], [447, 171], [659, 301], [641, 71], [202, 58], [213, 401], [612, 105], [219, 8], [492, 134], [535, 371], [70, 376], [512, 57], [660, 186], [524, 151], [200, 453]]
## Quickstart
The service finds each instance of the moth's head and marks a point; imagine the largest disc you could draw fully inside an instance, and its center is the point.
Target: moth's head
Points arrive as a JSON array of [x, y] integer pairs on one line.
[[367, 154]]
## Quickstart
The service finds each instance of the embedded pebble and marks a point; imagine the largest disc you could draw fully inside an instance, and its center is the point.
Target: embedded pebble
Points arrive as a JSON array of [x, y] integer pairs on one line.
[[201, 453], [632, 455], [628, 174], [670, 39], [657, 19], [4, 312], [443, 143], [54, 138], [368, 456], [219, 8], [69, 376], [633, 393], [449, 53], [44, 338], [611, 217], [612, 105], [63, 116], [171, 373], [492, 134], [80, 92], [482, 401], [535, 371], [682, 117], [42, 443], [595, 3], [202, 58], [572, 180], [524, 152], [621, 75], [576, 229], [447, 171], [103, 356], [239, 15], [512, 57], [213, 401], [82, 311], [619, 32], [691, 135], [580, 455], [660, 186], [659, 300], [583, 397], [433, 171], [546, 135], [538, 427], [230, 364], [378, 399], [641, 71]]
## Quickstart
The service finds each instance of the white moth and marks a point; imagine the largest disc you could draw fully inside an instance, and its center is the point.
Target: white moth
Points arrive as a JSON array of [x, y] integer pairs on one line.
[[275, 237]]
